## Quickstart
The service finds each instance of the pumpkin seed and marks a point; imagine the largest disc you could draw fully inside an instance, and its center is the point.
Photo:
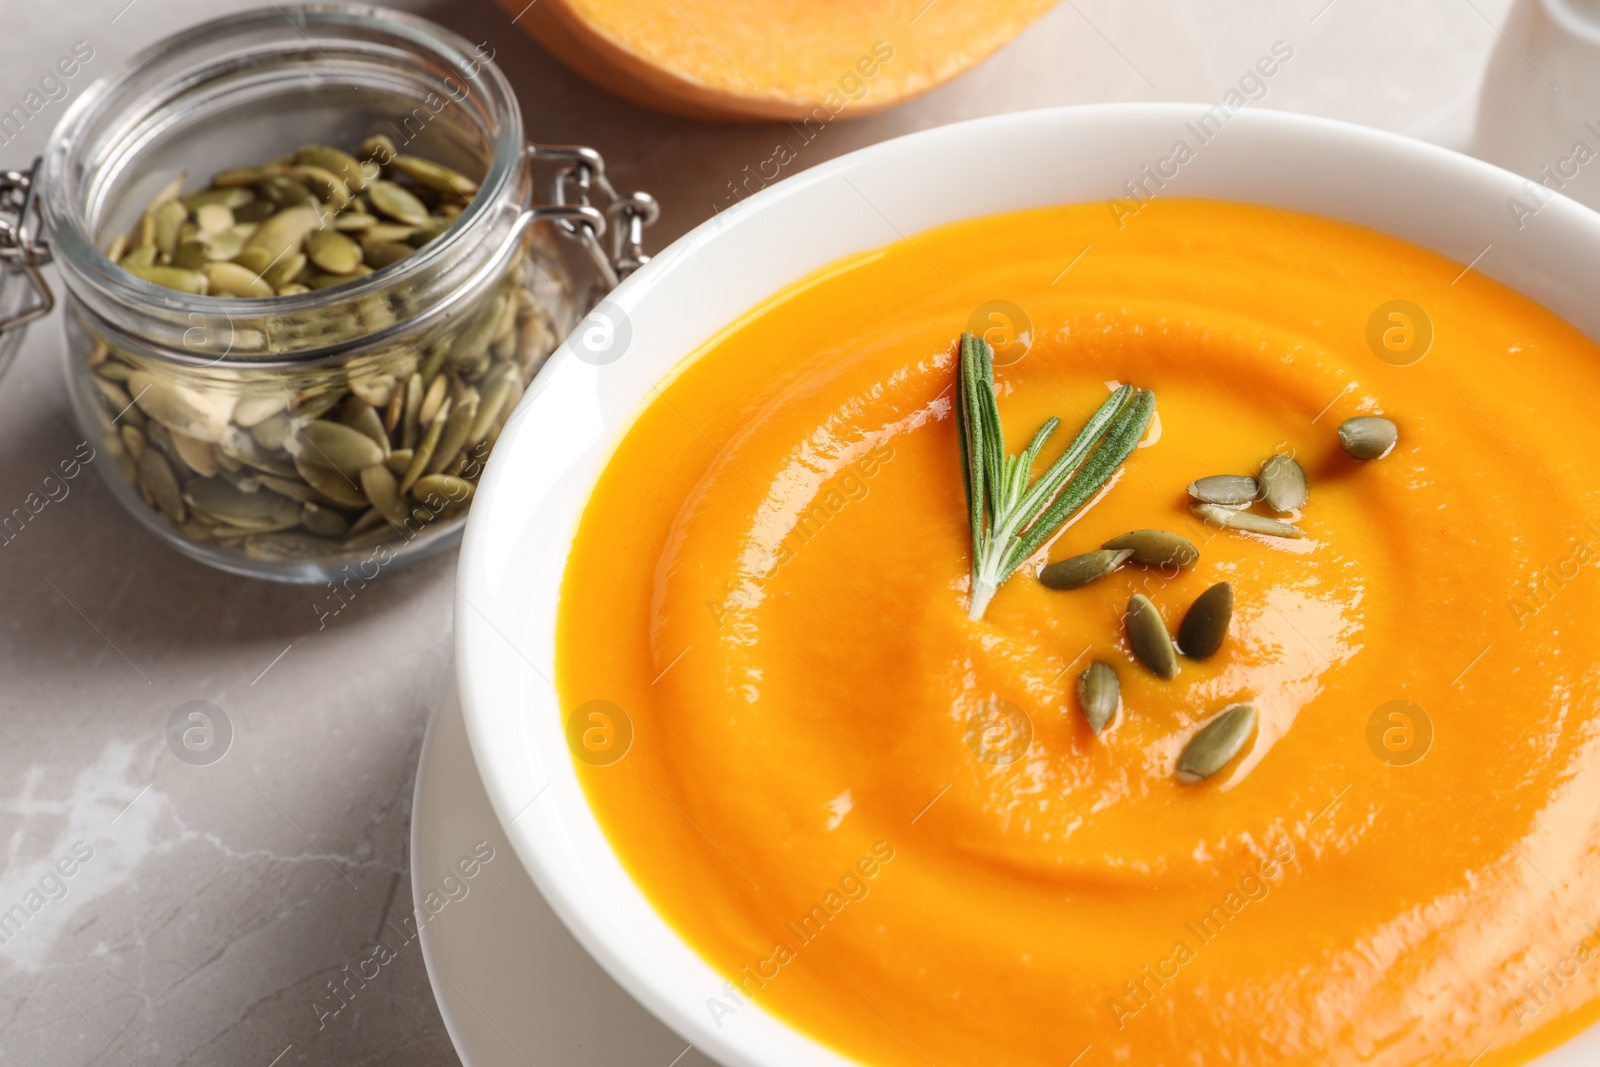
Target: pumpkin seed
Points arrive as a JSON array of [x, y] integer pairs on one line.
[[355, 222], [431, 402], [184, 281], [169, 218], [212, 219], [333, 251], [282, 272], [285, 547], [1245, 520], [398, 460], [1099, 693], [1079, 571], [334, 445], [410, 420], [199, 456], [434, 176], [255, 211], [180, 408], [155, 475], [331, 160], [256, 511], [378, 148], [455, 431], [374, 389], [359, 415], [230, 279], [231, 197], [445, 486], [1157, 548], [254, 259], [1229, 490], [132, 440], [381, 487], [1368, 437], [243, 175], [1148, 638], [425, 450], [489, 409], [273, 431], [379, 254], [1217, 743], [192, 255], [292, 488], [141, 257], [1283, 484], [333, 486], [1205, 624], [327, 186], [283, 232], [396, 202]]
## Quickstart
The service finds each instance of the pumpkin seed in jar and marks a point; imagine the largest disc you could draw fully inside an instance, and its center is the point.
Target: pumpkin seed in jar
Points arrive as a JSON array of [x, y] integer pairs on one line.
[[259, 511], [333, 251], [396, 202], [333, 161], [379, 254], [157, 479], [184, 281], [359, 415], [381, 487], [199, 456], [455, 431], [434, 176], [336, 446], [446, 487], [324, 522], [230, 279], [332, 485], [1217, 743], [425, 449], [1283, 484], [325, 185], [201, 415], [284, 271]]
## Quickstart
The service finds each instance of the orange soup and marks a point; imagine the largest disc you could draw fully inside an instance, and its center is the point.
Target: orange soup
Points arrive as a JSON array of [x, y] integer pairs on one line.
[[770, 583]]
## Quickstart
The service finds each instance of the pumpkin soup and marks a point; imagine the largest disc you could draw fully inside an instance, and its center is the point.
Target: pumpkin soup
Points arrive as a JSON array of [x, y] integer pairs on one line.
[[926, 838]]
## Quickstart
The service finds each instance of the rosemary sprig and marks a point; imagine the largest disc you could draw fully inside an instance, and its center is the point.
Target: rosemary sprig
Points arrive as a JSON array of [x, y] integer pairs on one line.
[[1010, 518]]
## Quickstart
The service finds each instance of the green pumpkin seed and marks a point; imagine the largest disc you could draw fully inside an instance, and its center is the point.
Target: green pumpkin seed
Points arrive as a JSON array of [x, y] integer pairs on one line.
[[432, 401], [446, 487], [200, 415], [489, 409], [380, 486], [282, 272], [1079, 571], [375, 389], [1368, 437], [355, 222], [399, 460], [230, 279], [359, 415], [212, 219], [455, 431], [1245, 520], [232, 198], [1229, 490], [431, 175], [1157, 548], [255, 260], [184, 281], [255, 211], [333, 486], [379, 254], [389, 231], [192, 255], [1205, 624], [199, 456], [333, 251], [292, 488], [377, 148], [396, 202], [1099, 694], [425, 449], [270, 433], [1217, 743], [342, 164], [239, 176], [155, 475], [284, 232], [169, 218], [334, 445], [1283, 484], [1148, 638], [256, 511]]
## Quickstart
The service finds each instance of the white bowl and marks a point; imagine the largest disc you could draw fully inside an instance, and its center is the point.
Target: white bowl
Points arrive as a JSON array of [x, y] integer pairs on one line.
[[551, 454]]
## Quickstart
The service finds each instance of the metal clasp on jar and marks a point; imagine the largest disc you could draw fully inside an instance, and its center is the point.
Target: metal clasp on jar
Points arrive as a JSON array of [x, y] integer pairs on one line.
[[24, 294]]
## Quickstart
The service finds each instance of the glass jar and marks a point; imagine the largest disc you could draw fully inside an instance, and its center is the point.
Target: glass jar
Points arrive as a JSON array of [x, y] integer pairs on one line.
[[226, 421]]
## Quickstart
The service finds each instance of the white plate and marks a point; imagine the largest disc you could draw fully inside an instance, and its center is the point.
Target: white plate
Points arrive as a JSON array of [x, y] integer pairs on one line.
[[513, 986], [544, 465]]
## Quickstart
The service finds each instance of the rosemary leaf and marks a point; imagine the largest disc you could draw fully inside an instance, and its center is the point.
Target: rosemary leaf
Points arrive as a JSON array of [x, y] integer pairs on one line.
[[1009, 518]]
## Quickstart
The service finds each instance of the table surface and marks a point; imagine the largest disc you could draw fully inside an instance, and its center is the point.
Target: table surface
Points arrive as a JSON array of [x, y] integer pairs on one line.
[[220, 901]]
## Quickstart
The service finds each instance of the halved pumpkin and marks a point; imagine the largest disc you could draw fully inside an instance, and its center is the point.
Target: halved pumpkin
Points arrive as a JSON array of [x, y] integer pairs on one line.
[[750, 60]]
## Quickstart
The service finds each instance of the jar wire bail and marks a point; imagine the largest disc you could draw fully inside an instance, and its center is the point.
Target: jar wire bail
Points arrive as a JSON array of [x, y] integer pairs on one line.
[[23, 250]]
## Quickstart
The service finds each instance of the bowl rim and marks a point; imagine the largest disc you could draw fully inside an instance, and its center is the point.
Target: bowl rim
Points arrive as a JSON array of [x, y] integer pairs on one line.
[[489, 621]]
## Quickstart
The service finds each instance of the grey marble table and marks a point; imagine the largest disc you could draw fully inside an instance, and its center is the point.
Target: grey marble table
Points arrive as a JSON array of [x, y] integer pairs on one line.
[[208, 907]]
